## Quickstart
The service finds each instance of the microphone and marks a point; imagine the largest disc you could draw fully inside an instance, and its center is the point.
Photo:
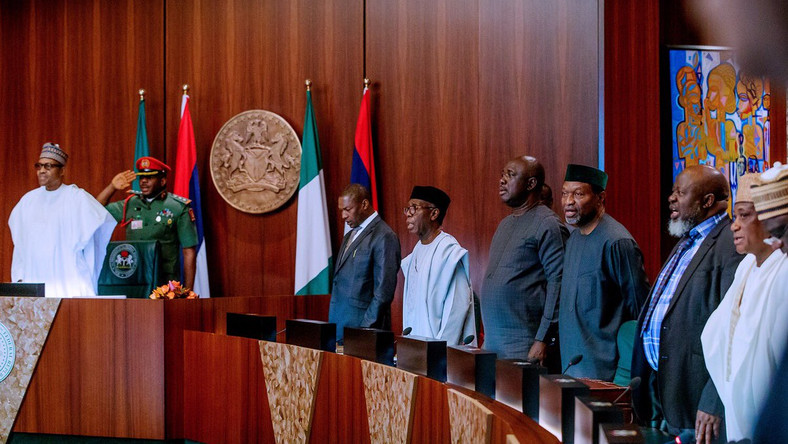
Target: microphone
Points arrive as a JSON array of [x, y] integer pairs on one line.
[[468, 339], [407, 331], [574, 361], [281, 331], [633, 384]]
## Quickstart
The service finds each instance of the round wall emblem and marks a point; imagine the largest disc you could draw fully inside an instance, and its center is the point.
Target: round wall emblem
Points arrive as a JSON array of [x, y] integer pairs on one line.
[[7, 352], [123, 261], [256, 161]]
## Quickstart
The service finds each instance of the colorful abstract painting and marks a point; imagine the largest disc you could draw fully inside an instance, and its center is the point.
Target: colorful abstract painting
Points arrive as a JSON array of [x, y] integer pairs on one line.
[[719, 114]]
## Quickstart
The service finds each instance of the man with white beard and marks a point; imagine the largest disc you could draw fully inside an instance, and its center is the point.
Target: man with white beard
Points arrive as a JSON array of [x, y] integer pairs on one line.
[[668, 355]]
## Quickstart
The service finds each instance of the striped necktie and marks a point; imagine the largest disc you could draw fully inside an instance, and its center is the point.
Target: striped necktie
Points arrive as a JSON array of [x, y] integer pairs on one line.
[[664, 278]]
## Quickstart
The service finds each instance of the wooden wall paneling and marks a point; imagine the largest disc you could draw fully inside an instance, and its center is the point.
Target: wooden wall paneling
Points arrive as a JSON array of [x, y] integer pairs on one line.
[[210, 315], [70, 74], [225, 379], [340, 406], [113, 385], [777, 115], [179, 316], [431, 397], [422, 58], [214, 312], [247, 54], [632, 129]]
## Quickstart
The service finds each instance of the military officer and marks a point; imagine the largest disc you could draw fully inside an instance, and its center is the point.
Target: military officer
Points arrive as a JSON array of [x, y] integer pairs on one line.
[[154, 214]]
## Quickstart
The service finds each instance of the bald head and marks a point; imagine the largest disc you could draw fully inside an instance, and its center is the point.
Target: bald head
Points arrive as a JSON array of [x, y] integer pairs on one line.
[[710, 181], [521, 182], [699, 193], [533, 169]]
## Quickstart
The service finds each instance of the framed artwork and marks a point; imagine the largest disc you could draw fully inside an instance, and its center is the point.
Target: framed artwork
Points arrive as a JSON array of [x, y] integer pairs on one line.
[[719, 114]]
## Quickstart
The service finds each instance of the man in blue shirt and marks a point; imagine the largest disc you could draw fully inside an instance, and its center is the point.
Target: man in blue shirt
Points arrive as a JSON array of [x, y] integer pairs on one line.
[[668, 355]]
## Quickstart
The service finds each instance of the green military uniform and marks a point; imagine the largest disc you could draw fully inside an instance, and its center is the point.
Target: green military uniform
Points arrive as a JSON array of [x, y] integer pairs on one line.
[[167, 218]]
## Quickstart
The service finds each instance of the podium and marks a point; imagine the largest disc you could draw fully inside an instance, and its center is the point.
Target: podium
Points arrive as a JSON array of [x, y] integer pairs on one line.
[[131, 268]]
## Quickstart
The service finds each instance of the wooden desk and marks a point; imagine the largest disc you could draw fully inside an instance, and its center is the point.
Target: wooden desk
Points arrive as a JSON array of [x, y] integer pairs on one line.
[[114, 367], [225, 399]]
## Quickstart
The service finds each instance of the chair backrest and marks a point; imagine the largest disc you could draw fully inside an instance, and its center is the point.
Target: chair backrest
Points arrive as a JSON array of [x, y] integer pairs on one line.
[[131, 268], [626, 342]]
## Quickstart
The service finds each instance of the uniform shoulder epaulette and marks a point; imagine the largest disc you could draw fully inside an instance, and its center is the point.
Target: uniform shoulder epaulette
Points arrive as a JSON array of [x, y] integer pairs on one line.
[[180, 199]]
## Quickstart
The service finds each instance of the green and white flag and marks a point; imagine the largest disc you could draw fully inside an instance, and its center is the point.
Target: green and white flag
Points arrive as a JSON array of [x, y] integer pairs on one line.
[[141, 145], [313, 243]]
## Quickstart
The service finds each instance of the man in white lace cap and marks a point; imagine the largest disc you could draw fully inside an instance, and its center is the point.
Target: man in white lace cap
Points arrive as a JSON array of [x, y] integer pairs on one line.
[[60, 232], [770, 196]]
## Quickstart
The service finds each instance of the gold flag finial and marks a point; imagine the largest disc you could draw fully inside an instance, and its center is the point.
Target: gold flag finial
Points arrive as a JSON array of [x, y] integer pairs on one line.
[[142, 94], [185, 89], [308, 84], [366, 82]]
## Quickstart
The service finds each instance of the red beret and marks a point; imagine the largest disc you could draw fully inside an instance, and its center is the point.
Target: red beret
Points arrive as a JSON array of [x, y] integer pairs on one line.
[[148, 166]]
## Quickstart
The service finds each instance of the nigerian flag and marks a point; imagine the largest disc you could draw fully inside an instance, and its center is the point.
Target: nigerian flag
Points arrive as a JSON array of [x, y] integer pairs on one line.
[[313, 242]]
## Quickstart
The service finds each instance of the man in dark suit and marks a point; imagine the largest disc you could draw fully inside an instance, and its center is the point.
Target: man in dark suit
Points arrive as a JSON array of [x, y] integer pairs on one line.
[[668, 355], [365, 275]]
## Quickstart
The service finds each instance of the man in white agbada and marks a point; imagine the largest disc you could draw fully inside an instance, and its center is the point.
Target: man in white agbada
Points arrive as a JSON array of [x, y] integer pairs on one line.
[[745, 336], [438, 299], [60, 232]]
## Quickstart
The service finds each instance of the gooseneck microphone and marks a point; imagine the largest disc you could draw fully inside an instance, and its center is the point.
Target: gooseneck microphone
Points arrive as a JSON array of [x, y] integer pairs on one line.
[[574, 361], [407, 331], [633, 384]]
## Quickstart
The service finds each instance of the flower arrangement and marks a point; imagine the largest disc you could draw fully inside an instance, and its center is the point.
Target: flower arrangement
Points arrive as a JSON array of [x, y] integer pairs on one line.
[[173, 290]]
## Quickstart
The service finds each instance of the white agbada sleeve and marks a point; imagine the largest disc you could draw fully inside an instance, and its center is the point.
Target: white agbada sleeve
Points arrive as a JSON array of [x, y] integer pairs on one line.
[[458, 302], [97, 226], [15, 224]]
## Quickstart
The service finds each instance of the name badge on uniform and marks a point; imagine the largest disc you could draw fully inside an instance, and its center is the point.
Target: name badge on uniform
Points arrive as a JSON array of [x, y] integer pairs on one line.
[[136, 224]]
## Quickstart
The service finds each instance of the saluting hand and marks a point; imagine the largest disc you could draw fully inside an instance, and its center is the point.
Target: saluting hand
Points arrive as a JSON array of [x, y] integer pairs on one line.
[[123, 180]]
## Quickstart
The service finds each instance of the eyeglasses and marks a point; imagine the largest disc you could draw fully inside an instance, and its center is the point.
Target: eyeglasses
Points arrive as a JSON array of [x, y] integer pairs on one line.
[[47, 166], [411, 210]]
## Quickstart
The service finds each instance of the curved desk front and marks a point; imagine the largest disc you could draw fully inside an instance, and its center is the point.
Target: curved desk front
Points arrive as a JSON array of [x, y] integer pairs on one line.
[[226, 400]]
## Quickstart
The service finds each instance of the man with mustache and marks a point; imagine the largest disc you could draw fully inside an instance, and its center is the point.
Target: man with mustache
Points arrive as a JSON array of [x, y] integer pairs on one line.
[[437, 300], [154, 214], [668, 355], [60, 232], [605, 283], [519, 297]]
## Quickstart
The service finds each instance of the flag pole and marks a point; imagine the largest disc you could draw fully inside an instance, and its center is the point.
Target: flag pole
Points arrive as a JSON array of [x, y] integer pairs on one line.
[[367, 82], [142, 94], [185, 89], [308, 84]]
